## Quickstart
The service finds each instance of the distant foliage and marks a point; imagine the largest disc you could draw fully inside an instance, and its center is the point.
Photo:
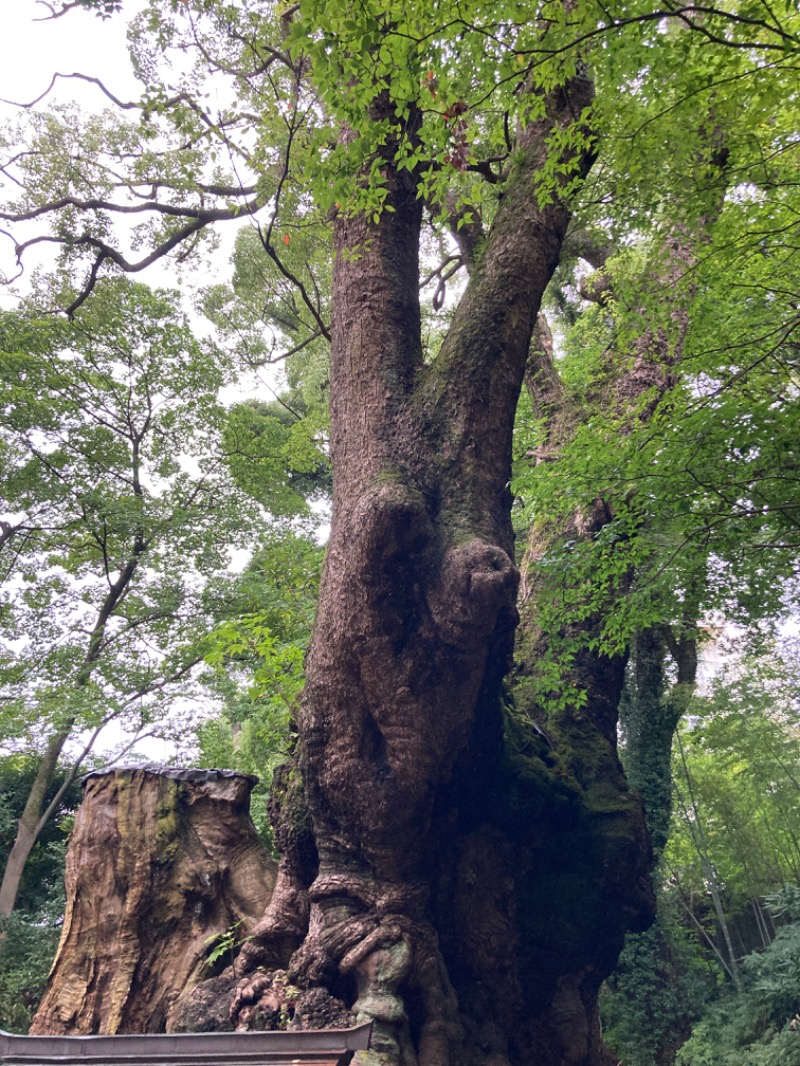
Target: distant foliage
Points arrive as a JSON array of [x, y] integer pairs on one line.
[[42, 886], [257, 650], [655, 993], [762, 1026], [742, 751], [734, 831], [32, 932], [28, 951]]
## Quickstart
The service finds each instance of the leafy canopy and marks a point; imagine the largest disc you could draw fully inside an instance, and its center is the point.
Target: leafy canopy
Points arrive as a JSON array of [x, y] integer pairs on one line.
[[118, 506]]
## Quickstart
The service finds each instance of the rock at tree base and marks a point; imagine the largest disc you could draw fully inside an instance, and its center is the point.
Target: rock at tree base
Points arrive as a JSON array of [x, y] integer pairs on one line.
[[160, 861]]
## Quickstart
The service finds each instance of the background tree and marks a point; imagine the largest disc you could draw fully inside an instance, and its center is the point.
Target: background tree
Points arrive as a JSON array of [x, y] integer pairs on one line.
[[760, 1024], [118, 505], [739, 753], [734, 834], [31, 934]]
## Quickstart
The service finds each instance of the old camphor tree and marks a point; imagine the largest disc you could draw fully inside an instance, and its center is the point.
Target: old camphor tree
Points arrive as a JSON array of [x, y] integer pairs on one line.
[[448, 868]]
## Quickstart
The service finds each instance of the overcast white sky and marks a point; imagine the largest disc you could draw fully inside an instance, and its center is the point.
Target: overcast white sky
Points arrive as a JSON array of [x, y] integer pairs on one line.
[[33, 48], [31, 51]]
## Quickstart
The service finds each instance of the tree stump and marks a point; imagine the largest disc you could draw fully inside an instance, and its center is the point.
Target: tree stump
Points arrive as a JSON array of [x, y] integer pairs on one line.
[[161, 860]]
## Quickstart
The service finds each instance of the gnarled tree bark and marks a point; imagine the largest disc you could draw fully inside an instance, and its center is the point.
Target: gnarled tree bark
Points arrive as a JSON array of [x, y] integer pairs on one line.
[[442, 874]]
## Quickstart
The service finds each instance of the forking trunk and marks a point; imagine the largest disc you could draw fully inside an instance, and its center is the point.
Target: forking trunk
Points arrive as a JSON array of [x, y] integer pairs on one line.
[[431, 849]]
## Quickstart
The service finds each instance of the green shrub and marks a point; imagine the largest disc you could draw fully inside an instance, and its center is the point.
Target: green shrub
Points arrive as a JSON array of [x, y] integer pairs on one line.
[[25, 957], [654, 995], [760, 1027]]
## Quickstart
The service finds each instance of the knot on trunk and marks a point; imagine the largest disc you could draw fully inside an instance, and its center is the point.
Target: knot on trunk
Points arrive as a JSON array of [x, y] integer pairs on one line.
[[477, 582], [393, 519], [368, 946], [369, 893], [351, 916], [270, 1001], [383, 964]]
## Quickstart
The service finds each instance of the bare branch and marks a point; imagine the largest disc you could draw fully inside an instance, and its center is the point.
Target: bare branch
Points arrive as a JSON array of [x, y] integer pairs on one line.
[[105, 252], [444, 272], [266, 238], [57, 14], [125, 106], [292, 351], [206, 215]]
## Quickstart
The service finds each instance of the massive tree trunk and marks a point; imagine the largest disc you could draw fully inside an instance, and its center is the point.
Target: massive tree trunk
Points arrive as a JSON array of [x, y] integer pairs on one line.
[[442, 874], [160, 863], [580, 719]]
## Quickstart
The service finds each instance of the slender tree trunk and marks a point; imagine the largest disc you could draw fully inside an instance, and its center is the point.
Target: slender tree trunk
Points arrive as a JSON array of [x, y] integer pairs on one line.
[[698, 837], [689, 908], [760, 923], [35, 816], [30, 823]]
